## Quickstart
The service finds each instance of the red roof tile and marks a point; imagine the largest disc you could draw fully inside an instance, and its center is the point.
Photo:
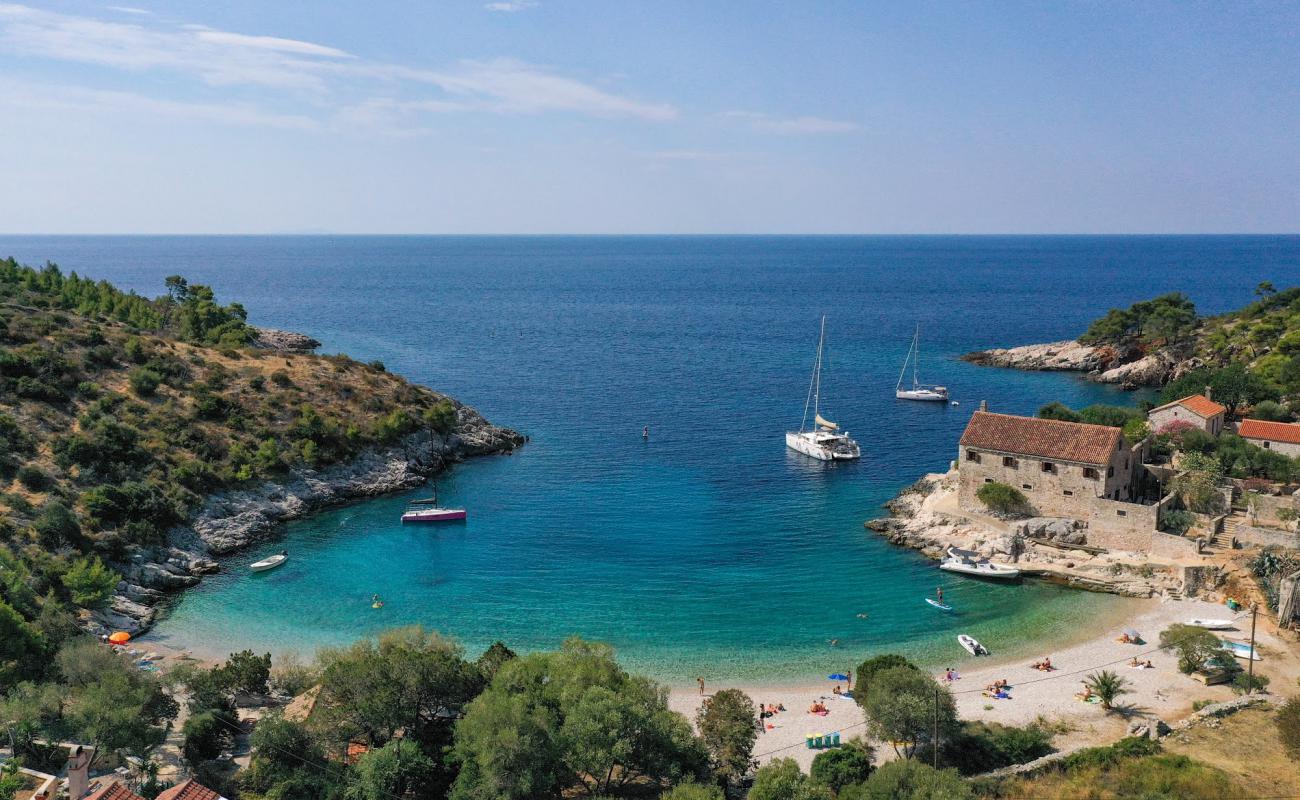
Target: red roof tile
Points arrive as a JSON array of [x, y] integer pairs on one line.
[[189, 790], [1273, 431], [114, 791], [1043, 438], [1198, 404]]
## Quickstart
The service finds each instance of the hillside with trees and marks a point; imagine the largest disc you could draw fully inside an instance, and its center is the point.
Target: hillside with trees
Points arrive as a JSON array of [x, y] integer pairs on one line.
[[119, 414]]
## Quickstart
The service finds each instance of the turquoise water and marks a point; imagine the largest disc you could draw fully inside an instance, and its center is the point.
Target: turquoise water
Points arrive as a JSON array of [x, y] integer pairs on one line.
[[710, 549]]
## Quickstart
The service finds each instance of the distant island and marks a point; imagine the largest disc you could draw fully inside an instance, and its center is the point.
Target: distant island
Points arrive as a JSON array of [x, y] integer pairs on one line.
[[140, 436], [1155, 342]]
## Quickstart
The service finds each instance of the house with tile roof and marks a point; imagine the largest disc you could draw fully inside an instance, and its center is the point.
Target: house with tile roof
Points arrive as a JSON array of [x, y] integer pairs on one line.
[[113, 791], [1197, 410], [1064, 469], [189, 790], [1280, 437]]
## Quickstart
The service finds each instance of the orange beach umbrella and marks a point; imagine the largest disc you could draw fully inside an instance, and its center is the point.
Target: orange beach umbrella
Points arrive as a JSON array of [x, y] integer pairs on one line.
[[121, 637]]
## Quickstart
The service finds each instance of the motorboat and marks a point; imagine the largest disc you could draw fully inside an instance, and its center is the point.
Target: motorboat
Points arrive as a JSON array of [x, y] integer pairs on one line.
[[270, 562], [822, 440], [968, 562], [919, 391], [973, 647], [1213, 624]]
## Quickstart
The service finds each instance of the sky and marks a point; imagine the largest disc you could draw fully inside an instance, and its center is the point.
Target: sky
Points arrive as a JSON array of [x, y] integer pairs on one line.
[[665, 116]]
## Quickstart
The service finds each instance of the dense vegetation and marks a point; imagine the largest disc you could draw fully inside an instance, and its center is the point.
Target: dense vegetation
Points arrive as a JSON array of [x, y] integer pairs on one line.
[[1249, 356], [119, 413]]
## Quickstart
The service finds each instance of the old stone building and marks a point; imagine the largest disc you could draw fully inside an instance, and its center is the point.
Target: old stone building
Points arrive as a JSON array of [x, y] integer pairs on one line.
[[1198, 410], [1061, 467], [1280, 437]]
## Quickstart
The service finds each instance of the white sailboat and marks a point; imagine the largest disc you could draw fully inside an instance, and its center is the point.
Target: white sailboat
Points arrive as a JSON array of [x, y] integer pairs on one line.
[[825, 440], [919, 391]]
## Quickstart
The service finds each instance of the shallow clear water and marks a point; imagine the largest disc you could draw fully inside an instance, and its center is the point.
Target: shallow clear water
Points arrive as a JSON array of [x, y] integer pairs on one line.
[[709, 549]]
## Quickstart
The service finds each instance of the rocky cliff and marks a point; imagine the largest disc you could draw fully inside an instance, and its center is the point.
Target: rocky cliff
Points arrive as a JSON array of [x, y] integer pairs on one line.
[[231, 520]]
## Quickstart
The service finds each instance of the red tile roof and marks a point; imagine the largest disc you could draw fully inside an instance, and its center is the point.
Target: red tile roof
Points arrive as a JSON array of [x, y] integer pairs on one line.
[[1273, 431], [1198, 404], [114, 791], [189, 790], [1050, 439]]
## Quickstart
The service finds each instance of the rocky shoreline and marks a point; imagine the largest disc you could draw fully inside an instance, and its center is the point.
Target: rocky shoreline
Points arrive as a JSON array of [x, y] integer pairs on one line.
[[232, 520], [925, 517], [1129, 367]]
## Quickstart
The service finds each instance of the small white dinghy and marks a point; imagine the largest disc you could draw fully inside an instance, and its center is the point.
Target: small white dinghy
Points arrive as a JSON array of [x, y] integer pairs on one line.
[[1213, 624], [269, 563], [1242, 650], [973, 647]]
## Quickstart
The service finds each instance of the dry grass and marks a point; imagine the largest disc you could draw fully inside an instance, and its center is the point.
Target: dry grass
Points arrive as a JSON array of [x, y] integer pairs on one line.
[[1246, 747]]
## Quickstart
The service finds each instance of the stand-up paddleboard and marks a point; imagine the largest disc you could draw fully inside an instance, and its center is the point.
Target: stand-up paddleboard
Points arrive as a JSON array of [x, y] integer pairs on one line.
[[937, 604], [973, 647]]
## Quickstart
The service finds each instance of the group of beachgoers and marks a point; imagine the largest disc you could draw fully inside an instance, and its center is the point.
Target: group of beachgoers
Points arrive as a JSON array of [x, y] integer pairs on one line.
[[1045, 665], [1137, 663]]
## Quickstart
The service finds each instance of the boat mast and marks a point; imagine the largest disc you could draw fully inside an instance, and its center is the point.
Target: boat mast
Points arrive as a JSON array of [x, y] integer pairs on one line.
[[903, 371], [916, 356], [812, 383], [821, 338]]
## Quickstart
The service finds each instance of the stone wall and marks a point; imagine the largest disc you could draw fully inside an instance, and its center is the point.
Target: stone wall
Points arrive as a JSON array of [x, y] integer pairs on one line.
[[1266, 506], [1266, 537], [1167, 545], [1120, 526]]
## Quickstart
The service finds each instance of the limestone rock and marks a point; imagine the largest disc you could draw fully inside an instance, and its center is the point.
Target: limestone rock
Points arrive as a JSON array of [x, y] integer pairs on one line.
[[1054, 529], [283, 341], [1068, 356]]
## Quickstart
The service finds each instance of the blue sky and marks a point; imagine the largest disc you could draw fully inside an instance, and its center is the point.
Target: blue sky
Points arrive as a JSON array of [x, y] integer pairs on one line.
[[548, 116]]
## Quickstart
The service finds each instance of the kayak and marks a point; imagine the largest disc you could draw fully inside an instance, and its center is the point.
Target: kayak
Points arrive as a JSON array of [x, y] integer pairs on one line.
[[937, 604], [973, 647]]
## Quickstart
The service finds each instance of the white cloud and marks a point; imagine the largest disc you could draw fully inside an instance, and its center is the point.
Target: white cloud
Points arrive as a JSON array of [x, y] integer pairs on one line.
[[129, 10], [25, 95], [511, 6], [793, 125], [329, 76], [690, 155]]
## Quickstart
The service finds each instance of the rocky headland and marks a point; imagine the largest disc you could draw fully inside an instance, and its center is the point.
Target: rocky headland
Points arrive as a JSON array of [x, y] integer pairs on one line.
[[232, 520], [925, 517], [1130, 367]]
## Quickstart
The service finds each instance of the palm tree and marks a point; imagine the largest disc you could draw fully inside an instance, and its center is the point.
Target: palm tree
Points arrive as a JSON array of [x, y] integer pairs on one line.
[[1107, 686]]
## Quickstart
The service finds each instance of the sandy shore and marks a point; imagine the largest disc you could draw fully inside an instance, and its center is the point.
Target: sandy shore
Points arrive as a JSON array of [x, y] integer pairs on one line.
[[1161, 691]]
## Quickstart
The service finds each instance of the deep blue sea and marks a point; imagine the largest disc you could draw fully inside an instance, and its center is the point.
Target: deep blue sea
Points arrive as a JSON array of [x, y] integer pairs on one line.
[[709, 549]]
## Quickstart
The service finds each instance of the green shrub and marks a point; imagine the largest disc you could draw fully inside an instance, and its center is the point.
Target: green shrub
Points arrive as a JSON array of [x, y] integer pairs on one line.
[[57, 526], [905, 779], [144, 382], [1288, 727], [842, 766], [33, 478], [281, 378], [90, 583], [1130, 747], [1177, 522], [1244, 683], [1197, 647], [377, 365], [983, 746], [205, 737], [1002, 499]]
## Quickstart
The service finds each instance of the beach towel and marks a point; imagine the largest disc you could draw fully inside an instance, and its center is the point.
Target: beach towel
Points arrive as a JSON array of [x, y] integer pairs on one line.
[[819, 713]]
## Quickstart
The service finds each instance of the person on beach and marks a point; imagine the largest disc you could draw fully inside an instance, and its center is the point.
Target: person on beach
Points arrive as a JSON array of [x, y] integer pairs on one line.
[[701, 682]]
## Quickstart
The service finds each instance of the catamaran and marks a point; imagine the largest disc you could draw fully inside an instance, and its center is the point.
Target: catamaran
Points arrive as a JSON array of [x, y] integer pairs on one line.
[[824, 440], [919, 391]]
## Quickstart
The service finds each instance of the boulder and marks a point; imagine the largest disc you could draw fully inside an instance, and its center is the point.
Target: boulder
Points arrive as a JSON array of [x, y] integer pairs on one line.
[[283, 341]]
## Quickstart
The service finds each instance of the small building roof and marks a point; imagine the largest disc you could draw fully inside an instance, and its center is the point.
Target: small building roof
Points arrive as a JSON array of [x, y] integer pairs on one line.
[[114, 791], [1051, 439], [301, 707], [1274, 431], [189, 790], [1198, 404]]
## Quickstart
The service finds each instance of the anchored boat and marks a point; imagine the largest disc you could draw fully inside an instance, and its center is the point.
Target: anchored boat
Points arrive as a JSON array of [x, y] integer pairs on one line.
[[428, 510], [973, 647], [825, 440], [919, 391], [968, 562], [270, 562]]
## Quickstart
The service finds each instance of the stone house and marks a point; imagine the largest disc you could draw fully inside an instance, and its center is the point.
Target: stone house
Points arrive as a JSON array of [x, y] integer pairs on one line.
[[1281, 437], [1197, 409], [1059, 466]]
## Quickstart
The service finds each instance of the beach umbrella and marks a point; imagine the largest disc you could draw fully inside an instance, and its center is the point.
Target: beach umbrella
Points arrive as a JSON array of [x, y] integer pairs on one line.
[[839, 676], [121, 637]]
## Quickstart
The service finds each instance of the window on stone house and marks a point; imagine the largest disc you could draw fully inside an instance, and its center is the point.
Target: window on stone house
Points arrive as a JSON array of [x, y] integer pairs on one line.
[[1049, 466], [1068, 493], [1266, 444], [1026, 486], [1120, 513], [971, 455], [988, 480], [1008, 461], [1089, 472], [1110, 472]]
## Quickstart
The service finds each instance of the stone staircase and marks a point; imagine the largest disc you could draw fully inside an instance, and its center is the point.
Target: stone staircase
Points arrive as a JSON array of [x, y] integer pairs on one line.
[[1222, 538]]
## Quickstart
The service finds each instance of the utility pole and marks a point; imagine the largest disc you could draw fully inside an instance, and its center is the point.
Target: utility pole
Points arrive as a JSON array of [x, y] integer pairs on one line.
[[1250, 685], [936, 727]]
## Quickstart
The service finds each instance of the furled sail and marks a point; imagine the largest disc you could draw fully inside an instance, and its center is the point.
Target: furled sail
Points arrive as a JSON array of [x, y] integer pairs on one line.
[[827, 424]]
